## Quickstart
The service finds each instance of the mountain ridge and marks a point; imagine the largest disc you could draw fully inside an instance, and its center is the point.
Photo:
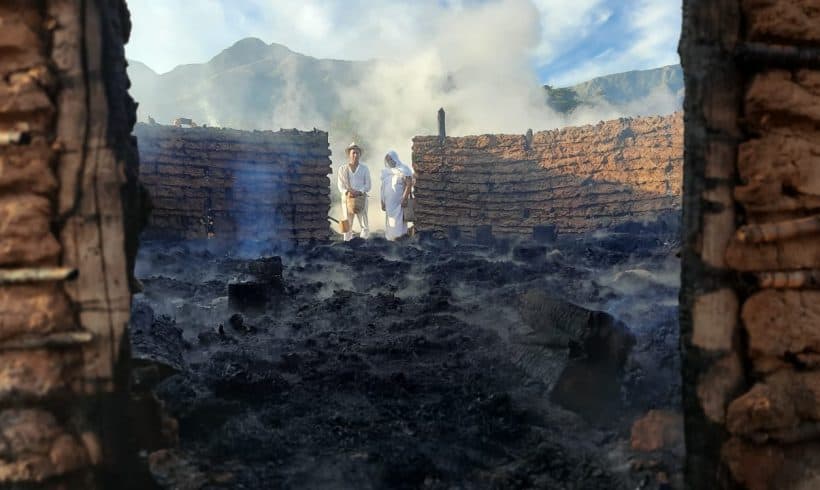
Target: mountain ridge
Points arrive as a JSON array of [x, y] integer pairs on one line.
[[254, 85]]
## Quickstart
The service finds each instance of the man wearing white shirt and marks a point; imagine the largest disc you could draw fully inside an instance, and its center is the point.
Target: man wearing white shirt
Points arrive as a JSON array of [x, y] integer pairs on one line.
[[353, 180]]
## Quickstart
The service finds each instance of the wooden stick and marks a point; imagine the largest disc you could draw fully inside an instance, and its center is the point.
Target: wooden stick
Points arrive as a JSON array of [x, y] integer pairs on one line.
[[778, 55], [772, 232], [789, 280], [806, 431], [14, 138], [59, 339], [36, 274]]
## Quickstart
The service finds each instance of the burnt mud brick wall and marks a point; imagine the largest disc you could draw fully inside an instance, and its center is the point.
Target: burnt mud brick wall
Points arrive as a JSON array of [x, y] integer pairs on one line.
[[68, 192], [260, 185], [577, 179], [750, 305]]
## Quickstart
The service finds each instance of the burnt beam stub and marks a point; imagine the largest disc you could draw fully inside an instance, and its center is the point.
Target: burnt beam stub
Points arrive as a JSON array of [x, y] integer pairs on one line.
[[453, 233], [544, 233], [757, 55], [246, 295], [484, 235]]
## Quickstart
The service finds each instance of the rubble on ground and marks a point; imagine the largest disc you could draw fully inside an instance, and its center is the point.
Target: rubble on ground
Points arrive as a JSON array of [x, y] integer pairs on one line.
[[427, 364]]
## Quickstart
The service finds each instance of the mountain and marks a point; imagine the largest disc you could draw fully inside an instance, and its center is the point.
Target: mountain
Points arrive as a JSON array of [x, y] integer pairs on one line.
[[254, 85], [142, 77], [623, 90], [248, 85]]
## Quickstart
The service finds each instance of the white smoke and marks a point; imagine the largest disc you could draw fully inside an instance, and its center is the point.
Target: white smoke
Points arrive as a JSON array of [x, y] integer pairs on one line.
[[476, 62], [660, 101], [476, 65]]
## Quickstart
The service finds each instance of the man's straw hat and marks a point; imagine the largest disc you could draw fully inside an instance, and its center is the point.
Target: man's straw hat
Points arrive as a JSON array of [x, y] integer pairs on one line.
[[352, 146]]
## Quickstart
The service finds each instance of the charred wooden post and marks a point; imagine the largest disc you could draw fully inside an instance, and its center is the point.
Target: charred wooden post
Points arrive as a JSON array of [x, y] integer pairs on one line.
[[66, 203], [248, 294], [258, 283], [709, 320], [751, 358], [442, 133], [544, 233]]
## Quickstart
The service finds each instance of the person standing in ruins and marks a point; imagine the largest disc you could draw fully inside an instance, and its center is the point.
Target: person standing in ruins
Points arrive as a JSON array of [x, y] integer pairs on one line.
[[208, 222], [353, 180], [396, 189]]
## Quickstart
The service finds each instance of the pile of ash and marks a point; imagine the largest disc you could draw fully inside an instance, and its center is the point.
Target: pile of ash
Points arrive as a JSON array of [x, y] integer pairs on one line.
[[426, 364]]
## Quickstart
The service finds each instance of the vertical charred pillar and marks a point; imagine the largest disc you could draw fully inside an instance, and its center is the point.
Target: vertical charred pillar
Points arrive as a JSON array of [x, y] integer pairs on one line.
[[709, 319], [442, 133], [748, 315], [66, 188]]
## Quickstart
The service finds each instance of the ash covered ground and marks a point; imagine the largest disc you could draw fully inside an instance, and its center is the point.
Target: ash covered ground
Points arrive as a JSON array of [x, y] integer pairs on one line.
[[429, 363]]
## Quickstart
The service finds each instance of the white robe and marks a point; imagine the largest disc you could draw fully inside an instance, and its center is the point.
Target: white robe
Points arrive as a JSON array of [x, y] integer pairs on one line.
[[359, 181], [393, 182]]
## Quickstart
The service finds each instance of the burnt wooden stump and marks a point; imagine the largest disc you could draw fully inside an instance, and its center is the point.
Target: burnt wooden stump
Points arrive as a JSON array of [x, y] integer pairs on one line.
[[529, 253], [267, 270], [259, 281], [453, 233], [544, 233], [484, 235], [248, 294]]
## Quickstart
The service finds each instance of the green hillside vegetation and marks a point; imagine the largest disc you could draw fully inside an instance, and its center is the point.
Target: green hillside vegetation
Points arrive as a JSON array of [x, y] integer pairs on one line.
[[618, 89]]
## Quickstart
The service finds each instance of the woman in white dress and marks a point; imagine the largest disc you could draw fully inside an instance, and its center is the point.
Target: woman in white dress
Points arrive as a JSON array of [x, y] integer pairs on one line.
[[397, 184]]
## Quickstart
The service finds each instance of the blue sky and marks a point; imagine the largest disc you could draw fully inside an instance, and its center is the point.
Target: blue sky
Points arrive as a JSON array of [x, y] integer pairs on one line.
[[572, 40]]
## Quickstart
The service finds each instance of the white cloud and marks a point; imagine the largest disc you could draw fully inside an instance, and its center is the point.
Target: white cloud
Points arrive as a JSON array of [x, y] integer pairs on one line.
[[167, 34], [190, 31], [567, 23], [652, 29], [658, 26]]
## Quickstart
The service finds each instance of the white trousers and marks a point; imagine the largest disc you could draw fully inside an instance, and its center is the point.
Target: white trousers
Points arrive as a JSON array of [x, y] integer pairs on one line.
[[363, 223]]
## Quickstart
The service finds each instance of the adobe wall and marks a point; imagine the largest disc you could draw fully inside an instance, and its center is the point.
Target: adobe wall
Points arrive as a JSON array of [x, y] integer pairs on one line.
[[578, 178], [750, 308], [258, 185], [69, 214]]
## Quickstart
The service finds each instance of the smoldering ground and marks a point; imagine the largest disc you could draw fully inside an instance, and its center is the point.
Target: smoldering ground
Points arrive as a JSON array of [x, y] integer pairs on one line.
[[427, 364]]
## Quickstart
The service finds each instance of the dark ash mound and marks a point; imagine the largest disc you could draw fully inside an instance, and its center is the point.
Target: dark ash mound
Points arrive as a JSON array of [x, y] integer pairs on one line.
[[428, 364]]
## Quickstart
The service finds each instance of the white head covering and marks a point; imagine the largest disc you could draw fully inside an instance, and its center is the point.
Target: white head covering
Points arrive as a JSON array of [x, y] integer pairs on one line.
[[399, 165]]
